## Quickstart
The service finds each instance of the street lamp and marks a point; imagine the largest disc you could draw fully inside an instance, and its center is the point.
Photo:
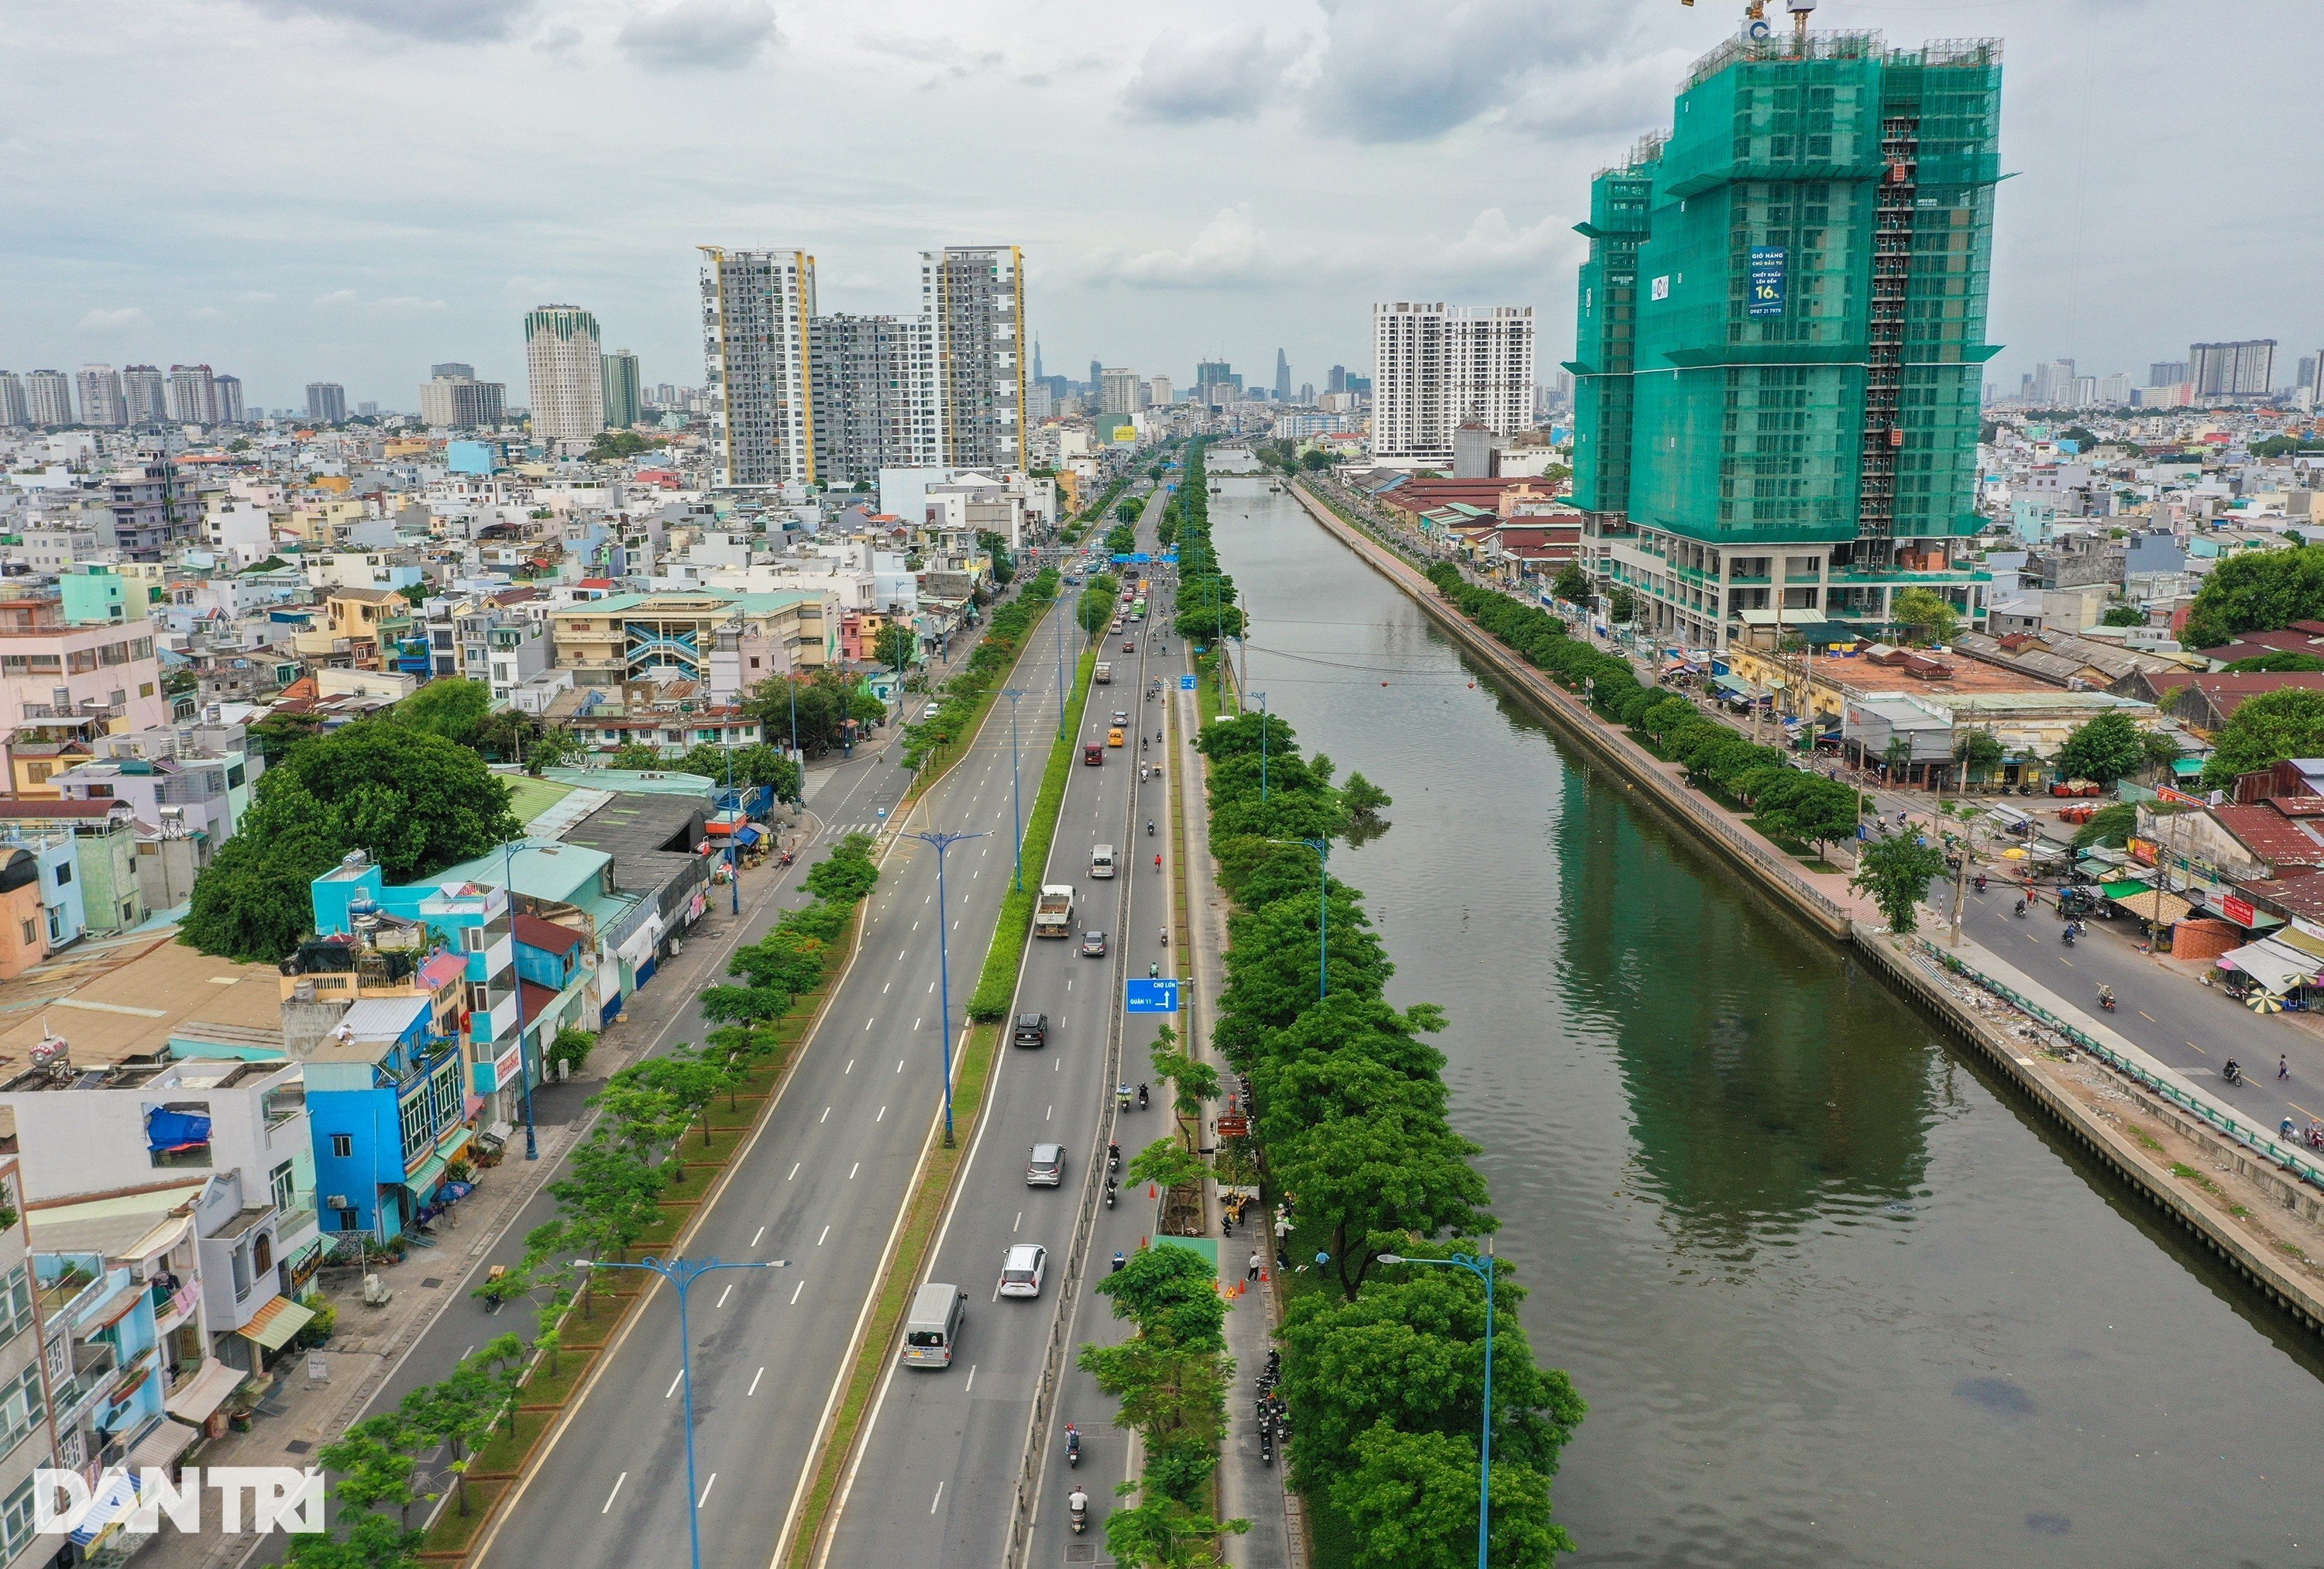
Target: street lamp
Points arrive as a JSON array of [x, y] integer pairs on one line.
[[523, 1068], [1322, 848], [1262, 746], [943, 842], [1483, 1269], [682, 1273], [1016, 789], [1058, 619], [734, 840]]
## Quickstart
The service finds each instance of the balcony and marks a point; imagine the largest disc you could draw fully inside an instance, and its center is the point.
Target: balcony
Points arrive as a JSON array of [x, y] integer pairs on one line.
[[95, 1364], [68, 1293]]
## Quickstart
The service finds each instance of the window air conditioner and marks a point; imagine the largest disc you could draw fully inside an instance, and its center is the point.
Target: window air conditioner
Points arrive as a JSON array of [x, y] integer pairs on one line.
[[337, 1200]]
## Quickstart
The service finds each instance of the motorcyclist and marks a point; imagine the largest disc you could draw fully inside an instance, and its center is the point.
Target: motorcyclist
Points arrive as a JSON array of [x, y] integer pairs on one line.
[[1149, 827], [1141, 1097], [2233, 1073], [2021, 904], [1078, 1502], [1154, 971]]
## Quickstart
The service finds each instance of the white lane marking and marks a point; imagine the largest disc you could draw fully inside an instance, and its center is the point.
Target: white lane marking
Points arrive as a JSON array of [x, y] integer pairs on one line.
[[795, 1292], [916, 1021], [932, 986], [616, 1492], [754, 1381], [1057, 1066], [870, 1022], [1051, 1114], [882, 1116], [996, 1291], [849, 1068], [937, 1500], [1069, 983], [827, 1115], [1020, 1223], [754, 1241], [854, 1169], [972, 1378], [826, 1231], [883, 990], [722, 1296], [899, 1065], [794, 1165], [675, 1380], [916, 925], [705, 1491]]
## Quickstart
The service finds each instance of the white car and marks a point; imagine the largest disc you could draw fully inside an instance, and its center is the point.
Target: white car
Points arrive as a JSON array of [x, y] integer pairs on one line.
[[1022, 1267]]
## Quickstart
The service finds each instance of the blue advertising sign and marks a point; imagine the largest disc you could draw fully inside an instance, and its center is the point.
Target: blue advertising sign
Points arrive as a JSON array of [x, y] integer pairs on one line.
[[1767, 291], [1149, 997], [1140, 558], [1186, 683]]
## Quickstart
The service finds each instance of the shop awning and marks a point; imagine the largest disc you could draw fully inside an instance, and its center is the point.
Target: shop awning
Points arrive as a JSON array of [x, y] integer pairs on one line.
[[277, 1319], [166, 1442], [423, 1181], [2272, 965], [113, 1499], [747, 835], [208, 1389], [2154, 905], [2125, 888]]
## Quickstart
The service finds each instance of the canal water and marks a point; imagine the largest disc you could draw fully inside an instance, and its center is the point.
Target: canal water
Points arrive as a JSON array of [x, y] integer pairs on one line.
[[1834, 1299]]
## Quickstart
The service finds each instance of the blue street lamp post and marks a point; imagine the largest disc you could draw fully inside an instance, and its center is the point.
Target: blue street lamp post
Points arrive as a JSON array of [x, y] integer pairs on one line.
[[1016, 788], [682, 1273], [943, 842], [523, 1068], [1483, 1269]]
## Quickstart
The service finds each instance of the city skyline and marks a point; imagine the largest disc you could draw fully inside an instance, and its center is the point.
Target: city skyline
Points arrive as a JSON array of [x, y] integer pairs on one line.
[[1487, 167]]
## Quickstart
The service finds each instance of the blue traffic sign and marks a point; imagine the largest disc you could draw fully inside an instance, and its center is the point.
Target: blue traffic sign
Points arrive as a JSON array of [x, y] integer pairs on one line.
[[1140, 558], [1149, 997], [1186, 683]]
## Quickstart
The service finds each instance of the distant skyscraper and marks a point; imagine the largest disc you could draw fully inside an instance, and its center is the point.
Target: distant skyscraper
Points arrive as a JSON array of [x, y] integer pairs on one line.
[[1337, 380], [2113, 392], [48, 398], [973, 298], [451, 370], [1158, 394], [146, 390], [2242, 369], [1119, 391], [12, 410], [564, 372], [757, 350], [1097, 376], [229, 399], [1209, 374], [327, 402], [2166, 372], [1036, 359], [2315, 379], [1282, 377], [2052, 385], [874, 397], [193, 395], [101, 403], [456, 401], [1440, 367], [623, 406]]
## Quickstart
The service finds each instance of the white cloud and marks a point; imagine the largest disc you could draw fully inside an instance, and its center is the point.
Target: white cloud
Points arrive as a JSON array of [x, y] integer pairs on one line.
[[205, 313], [1230, 252], [1226, 75], [1494, 249], [336, 297], [1382, 78], [403, 304], [430, 20], [121, 320], [701, 35]]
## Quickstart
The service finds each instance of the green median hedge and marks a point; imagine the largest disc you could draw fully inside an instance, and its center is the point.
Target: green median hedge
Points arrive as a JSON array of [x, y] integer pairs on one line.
[[998, 984]]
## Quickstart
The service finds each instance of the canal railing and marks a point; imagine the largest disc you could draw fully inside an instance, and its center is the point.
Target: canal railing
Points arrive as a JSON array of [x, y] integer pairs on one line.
[[2259, 1142]]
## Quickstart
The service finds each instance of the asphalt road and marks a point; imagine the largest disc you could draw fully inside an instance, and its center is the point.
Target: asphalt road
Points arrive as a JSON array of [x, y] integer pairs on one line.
[[822, 1186], [936, 1480]]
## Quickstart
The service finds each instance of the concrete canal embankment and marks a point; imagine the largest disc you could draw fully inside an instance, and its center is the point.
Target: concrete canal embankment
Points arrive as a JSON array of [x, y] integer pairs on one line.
[[2255, 1207]]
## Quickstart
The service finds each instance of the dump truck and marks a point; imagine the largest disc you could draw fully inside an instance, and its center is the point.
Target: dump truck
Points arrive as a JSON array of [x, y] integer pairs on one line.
[[1052, 913]]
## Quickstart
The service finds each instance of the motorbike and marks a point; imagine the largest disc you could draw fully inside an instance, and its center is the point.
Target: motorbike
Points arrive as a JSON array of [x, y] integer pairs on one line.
[[2233, 1073], [1154, 971], [1110, 1190], [1114, 1158], [2067, 936], [1150, 826], [1141, 1097], [1121, 1097], [1079, 1505], [1165, 936], [1119, 1263], [1073, 1446], [1980, 883], [2105, 1001], [2021, 909]]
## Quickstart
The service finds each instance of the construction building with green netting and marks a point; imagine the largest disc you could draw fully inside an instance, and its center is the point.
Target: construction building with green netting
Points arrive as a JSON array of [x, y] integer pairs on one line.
[[1781, 339]]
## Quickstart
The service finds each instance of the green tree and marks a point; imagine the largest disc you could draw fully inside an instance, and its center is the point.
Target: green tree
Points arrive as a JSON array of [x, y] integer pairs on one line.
[[451, 707], [457, 1413], [748, 767], [1896, 872], [2271, 663], [554, 747], [2264, 732], [1572, 585], [412, 800], [2111, 826], [1167, 1164], [1161, 1532], [1925, 615], [1376, 1183], [371, 1542], [895, 646], [1411, 1500], [374, 1464], [2105, 749], [2256, 590], [640, 756], [1978, 752], [2122, 616], [1622, 606]]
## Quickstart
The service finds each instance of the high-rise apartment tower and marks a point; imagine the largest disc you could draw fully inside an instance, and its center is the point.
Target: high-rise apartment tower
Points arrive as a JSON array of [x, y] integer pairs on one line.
[[48, 397], [757, 343], [874, 397], [147, 393], [1781, 335], [974, 299], [1437, 367], [101, 403], [193, 394], [564, 372], [2242, 369], [624, 404]]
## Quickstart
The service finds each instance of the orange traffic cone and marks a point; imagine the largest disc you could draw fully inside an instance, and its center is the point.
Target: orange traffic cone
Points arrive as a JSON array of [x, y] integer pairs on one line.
[[1150, 1190]]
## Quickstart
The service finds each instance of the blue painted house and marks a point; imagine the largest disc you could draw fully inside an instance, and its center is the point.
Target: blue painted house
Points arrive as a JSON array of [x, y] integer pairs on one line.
[[387, 1099]]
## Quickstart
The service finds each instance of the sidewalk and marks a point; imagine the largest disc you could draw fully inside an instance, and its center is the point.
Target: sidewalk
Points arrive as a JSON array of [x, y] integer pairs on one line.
[[1248, 1489]]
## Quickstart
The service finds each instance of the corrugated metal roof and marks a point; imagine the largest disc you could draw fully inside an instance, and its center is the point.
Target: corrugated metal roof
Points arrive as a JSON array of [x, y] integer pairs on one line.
[[382, 1018]]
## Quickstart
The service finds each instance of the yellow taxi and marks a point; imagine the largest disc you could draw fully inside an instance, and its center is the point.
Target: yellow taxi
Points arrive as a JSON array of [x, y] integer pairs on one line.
[[1113, 736]]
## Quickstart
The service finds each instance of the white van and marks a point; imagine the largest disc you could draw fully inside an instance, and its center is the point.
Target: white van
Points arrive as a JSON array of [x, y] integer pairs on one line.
[[932, 1329], [1100, 861]]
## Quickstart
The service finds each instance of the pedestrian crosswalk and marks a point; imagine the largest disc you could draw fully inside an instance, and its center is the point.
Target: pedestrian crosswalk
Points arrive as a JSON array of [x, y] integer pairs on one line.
[[841, 830]]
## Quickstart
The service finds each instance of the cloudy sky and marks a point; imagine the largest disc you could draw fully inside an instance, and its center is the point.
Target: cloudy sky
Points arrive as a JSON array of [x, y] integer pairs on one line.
[[350, 189]]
